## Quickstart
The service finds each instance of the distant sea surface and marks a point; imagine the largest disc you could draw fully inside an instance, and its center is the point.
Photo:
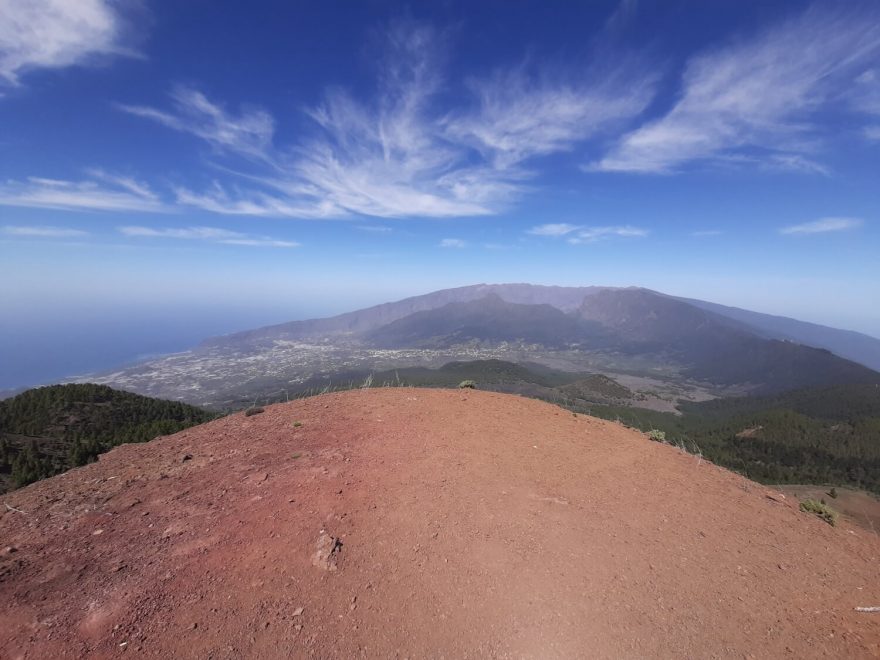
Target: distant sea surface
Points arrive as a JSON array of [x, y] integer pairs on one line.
[[52, 348]]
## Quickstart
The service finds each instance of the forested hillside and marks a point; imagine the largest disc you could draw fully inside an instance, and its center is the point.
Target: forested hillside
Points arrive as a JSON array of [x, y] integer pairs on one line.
[[48, 430], [822, 436]]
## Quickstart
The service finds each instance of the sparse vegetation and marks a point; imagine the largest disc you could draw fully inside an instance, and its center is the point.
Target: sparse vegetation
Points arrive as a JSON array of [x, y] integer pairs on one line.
[[296, 425], [821, 510], [832, 493], [657, 435], [467, 384], [253, 411]]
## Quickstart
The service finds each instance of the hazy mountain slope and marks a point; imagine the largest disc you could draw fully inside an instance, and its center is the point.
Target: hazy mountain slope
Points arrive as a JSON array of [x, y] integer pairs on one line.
[[646, 319], [487, 319], [365, 320], [356, 322], [706, 345], [713, 347], [851, 345], [845, 343]]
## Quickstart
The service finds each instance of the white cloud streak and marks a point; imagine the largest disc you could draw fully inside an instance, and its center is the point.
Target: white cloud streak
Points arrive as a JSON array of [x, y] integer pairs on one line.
[[104, 192], [248, 133], [553, 229], [49, 34], [519, 118], [823, 226], [579, 234], [865, 93], [452, 243], [35, 231], [594, 234], [210, 234], [401, 156], [757, 96], [622, 16], [391, 158]]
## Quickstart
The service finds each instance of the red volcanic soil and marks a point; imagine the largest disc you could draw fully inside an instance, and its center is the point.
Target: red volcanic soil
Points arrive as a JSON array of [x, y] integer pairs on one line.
[[410, 522]]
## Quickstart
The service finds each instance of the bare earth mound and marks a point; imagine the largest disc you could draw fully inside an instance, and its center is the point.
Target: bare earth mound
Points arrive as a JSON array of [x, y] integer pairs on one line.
[[419, 523]]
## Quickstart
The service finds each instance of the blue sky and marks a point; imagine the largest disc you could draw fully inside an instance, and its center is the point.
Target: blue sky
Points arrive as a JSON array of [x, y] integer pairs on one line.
[[292, 159]]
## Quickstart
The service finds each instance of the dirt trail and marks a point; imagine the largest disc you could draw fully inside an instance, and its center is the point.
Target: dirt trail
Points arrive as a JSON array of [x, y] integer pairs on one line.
[[424, 523]]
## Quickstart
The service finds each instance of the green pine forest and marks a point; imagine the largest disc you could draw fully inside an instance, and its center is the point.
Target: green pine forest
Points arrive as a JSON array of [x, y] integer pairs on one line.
[[816, 436], [48, 430]]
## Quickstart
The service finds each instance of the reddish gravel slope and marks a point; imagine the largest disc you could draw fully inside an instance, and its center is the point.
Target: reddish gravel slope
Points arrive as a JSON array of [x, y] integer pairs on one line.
[[471, 525]]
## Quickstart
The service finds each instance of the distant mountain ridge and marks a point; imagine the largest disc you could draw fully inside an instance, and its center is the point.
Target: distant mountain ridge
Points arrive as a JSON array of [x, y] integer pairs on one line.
[[371, 318], [711, 343], [849, 344], [609, 316]]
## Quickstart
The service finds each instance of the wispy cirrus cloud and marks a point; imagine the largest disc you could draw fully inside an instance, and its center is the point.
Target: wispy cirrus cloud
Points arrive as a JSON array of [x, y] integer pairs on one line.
[[210, 234], [452, 243], [579, 234], [823, 225], [248, 133], [757, 97], [622, 15], [594, 234], [102, 192], [42, 231], [403, 154], [520, 117], [864, 95], [218, 199], [553, 229], [49, 34], [701, 233]]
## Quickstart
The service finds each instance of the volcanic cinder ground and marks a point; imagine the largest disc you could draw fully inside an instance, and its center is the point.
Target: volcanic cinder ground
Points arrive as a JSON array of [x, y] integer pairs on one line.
[[424, 523]]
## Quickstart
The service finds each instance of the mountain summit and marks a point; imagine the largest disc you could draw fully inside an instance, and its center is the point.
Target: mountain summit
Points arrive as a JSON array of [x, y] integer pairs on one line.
[[408, 522]]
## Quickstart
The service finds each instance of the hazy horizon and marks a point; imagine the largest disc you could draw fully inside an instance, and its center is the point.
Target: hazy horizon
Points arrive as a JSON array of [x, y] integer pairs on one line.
[[39, 351]]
